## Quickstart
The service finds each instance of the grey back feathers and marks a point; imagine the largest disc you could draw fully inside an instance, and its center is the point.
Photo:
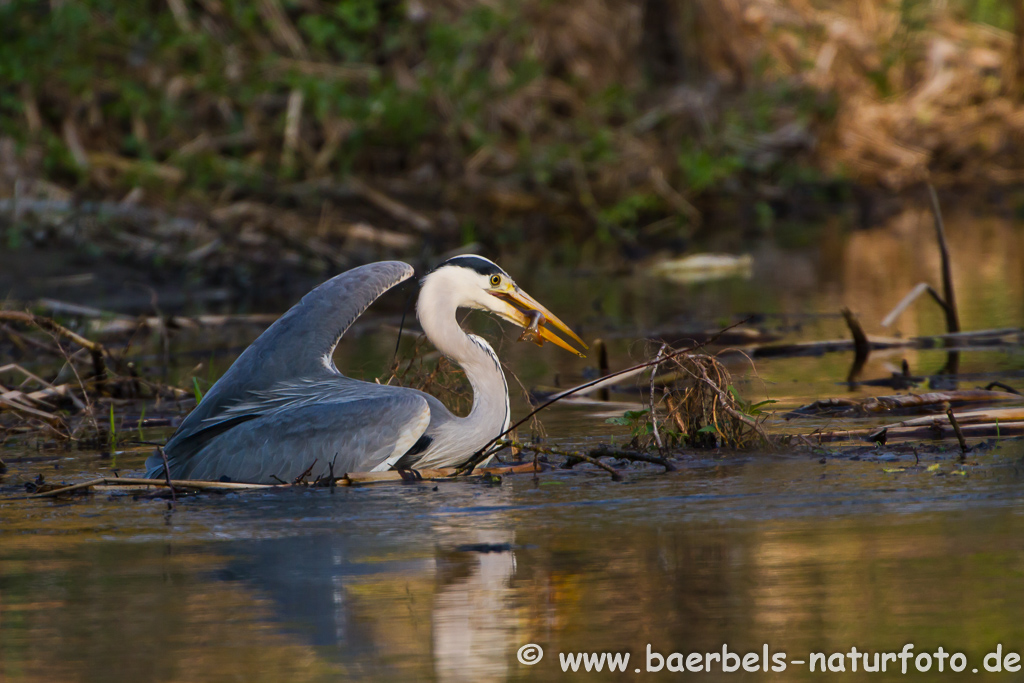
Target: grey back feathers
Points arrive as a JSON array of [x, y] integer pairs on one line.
[[298, 345]]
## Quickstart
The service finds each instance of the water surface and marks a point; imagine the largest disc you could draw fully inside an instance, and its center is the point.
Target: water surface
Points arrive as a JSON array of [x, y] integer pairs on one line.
[[801, 551]]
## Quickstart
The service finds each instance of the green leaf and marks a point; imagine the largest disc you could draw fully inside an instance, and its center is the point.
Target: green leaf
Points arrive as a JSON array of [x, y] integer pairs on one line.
[[765, 402], [199, 393]]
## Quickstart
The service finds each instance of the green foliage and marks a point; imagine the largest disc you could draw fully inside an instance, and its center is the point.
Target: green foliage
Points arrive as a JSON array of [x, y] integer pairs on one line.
[[627, 212], [112, 434], [119, 61], [998, 13], [914, 18], [747, 407], [638, 421], [342, 33], [701, 169], [764, 215]]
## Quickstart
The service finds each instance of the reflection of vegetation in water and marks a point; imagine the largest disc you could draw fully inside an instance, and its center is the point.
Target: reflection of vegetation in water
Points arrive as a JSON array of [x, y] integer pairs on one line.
[[786, 552]]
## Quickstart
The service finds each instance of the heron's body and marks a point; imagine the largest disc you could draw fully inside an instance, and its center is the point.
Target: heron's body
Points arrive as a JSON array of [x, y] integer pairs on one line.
[[283, 407]]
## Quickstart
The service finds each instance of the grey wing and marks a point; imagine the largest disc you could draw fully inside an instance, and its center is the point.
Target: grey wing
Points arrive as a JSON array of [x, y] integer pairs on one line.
[[299, 344], [356, 436]]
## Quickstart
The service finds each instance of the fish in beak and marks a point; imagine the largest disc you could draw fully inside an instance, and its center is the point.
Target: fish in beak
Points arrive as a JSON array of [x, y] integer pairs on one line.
[[523, 310]]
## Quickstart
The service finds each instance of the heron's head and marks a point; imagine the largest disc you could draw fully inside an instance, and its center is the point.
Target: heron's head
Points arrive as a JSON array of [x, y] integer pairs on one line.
[[476, 282]]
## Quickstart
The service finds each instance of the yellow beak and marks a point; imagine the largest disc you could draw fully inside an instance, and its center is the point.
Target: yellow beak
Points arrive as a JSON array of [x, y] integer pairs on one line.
[[525, 311]]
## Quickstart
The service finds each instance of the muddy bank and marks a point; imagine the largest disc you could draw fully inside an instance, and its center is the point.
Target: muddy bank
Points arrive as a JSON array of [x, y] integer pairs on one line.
[[299, 139]]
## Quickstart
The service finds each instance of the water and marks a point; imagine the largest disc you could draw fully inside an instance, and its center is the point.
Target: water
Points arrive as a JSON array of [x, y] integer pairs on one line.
[[448, 581], [393, 582]]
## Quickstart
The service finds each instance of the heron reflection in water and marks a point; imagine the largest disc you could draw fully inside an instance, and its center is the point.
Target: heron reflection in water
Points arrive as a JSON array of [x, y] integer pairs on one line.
[[283, 405]]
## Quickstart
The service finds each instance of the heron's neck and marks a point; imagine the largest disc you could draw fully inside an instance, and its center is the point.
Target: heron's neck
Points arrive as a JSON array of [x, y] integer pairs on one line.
[[490, 412]]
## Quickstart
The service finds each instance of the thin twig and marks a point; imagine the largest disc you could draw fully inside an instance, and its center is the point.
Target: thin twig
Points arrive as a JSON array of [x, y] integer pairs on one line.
[[299, 479], [180, 483], [959, 434], [472, 462], [948, 295], [654, 417], [167, 473]]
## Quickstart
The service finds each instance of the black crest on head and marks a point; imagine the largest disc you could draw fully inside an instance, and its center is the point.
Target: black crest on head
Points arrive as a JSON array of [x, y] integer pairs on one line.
[[477, 263]]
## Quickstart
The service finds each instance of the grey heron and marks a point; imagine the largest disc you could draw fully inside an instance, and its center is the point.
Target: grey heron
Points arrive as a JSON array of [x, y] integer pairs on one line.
[[283, 406]]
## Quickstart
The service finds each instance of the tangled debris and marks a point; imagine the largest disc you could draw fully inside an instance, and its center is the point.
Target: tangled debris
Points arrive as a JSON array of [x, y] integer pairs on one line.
[[72, 409], [694, 405], [707, 411]]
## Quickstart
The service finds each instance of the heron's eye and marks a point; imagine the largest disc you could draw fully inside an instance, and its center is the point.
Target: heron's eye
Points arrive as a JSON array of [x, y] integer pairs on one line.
[[495, 280]]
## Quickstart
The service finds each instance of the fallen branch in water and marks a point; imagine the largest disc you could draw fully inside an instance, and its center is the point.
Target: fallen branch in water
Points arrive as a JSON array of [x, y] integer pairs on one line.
[[817, 348], [933, 400], [974, 338], [602, 451], [355, 478], [182, 486], [573, 456], [605, 451], [940, 429]]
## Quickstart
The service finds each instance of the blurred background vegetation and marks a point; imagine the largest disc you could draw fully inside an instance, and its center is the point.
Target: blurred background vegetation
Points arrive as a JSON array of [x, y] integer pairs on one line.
[[201, 133]]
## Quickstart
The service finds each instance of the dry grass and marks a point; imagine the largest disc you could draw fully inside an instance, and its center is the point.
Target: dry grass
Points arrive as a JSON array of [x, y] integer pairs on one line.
[[428, 371], [704, 409]]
